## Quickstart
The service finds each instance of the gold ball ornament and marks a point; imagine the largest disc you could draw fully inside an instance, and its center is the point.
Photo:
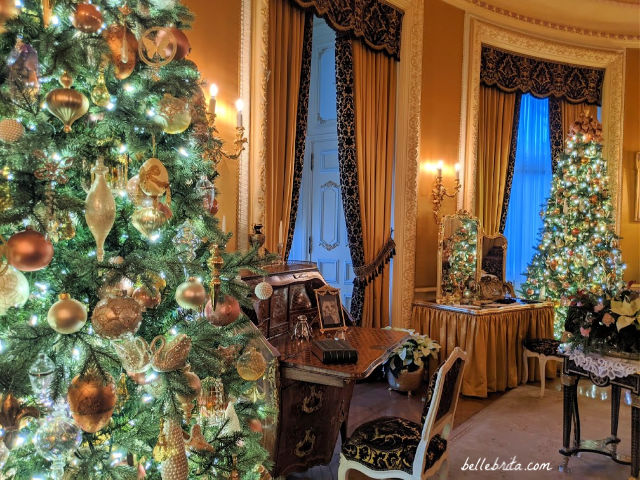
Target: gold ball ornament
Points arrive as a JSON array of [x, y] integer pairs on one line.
[[124, 49], [176, 113], [148, 220], [251, 365], [10, 130], [67, 104], [100, 95], [67, 315], [154, 178], [29, 250], [14, 289], [147, 297], [135, 193], [191, 294], [92, 399], [87, 18], [116, 317]]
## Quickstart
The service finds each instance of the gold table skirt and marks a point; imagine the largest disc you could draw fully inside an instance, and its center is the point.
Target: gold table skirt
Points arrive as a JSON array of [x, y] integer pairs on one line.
[[493, 343]]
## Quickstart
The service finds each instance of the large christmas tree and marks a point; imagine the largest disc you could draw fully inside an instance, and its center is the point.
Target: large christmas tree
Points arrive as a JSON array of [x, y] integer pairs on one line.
[[112, 363], [579, 249]]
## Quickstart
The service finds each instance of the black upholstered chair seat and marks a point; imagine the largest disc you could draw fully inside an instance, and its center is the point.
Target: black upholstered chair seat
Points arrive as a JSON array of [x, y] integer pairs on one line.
[[390, 443], [543, 346]]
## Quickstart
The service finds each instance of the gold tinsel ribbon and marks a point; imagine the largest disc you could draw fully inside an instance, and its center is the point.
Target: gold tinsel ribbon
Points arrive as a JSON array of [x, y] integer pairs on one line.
[[367, 273]]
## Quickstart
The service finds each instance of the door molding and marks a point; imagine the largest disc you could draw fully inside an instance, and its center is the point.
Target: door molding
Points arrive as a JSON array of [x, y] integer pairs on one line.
[[409, 87]]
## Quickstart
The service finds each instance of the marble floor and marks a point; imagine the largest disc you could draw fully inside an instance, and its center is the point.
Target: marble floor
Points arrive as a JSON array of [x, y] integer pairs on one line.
[[516, 423]]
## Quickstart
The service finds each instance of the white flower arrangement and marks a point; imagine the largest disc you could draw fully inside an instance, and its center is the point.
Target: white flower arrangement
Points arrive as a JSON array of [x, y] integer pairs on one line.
[[413, 353]]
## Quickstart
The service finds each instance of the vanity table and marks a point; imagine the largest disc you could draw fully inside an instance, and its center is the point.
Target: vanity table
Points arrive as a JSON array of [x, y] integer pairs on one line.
[[492, 336]]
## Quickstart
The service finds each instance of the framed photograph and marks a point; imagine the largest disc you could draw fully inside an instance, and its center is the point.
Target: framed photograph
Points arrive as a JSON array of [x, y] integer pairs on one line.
[[330, 312]]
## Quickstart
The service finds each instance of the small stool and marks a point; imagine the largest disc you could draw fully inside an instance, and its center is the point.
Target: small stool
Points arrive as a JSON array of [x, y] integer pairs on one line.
[[544, 349]]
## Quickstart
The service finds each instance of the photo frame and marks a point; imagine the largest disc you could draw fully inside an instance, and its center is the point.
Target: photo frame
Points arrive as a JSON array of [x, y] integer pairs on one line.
[[329, 304]]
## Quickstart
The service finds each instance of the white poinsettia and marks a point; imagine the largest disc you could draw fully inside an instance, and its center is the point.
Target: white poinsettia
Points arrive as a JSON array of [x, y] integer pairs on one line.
[[629, 312]]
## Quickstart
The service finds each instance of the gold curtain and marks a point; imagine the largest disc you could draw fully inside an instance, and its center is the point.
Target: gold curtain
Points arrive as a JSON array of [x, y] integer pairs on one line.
[[286, 38], [571, 111], [374, 91], [495, 130]]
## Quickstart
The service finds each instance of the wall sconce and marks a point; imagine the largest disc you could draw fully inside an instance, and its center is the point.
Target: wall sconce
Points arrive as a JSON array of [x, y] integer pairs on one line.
[[439, 192], [214, 150]]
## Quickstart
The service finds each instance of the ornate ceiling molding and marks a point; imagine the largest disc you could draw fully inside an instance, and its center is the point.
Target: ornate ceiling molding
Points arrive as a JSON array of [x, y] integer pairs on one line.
[[510, 16]]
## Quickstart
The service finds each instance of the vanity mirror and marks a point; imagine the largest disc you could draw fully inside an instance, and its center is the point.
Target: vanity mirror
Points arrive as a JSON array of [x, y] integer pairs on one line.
[[459, 257]]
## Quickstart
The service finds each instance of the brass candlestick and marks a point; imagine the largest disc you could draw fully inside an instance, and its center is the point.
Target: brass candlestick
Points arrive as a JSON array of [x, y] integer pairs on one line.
[[215, 264], [215, 151]]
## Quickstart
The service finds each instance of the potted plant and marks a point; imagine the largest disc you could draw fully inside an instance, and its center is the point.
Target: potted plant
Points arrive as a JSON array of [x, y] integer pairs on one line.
[[406, 365]]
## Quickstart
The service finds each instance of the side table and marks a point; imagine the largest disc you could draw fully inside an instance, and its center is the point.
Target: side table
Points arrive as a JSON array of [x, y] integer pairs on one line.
[[571, 374]]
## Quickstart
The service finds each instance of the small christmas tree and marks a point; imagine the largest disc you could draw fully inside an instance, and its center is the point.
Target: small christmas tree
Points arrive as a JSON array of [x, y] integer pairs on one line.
[[115, 359], [579, 249]]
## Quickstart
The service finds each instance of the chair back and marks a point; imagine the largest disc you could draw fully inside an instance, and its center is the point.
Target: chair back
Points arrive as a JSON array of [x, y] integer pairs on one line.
[[440, 406]]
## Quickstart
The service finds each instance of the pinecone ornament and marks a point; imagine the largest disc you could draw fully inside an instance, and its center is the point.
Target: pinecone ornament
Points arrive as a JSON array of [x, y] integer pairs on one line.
[[175, 467]]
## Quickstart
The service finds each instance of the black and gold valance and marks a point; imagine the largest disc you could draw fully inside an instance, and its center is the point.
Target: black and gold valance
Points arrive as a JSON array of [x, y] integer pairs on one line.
[[512, 72], [374, 22]]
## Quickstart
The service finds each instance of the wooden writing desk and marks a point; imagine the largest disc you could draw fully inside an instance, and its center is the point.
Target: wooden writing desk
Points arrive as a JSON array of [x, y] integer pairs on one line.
[[315, 398]]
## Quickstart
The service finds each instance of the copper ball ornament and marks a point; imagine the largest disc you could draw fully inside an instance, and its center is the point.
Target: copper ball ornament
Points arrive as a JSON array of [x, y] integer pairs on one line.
[[115, 317], [87, 18], [191, 294], [29, 250], [67, 315], [66, 104], [183, 47], [227, 311], [255, 425], [92, 399], [147, 297], [251, 365], [124, 49], [10, 130]]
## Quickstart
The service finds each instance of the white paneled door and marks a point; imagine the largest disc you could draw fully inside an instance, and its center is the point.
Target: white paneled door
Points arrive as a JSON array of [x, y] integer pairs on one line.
[[321, 233]]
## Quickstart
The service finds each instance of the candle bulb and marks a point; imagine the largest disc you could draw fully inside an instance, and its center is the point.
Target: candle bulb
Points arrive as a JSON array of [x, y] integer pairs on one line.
[[213, 90], [239, 107], [224, 223], [458, 171], [440, 164]]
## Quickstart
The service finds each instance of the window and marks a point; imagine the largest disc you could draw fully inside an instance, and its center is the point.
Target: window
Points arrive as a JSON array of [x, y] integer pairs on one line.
[[530, 187]]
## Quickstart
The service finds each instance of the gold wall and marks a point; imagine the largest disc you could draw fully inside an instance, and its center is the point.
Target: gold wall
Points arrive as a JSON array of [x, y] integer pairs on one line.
[[215, 48], [630, 230], [440, 123]]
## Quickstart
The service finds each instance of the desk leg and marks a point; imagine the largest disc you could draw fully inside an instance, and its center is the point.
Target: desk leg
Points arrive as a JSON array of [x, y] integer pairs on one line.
[[615, 415], [569, 393], [635, 437]]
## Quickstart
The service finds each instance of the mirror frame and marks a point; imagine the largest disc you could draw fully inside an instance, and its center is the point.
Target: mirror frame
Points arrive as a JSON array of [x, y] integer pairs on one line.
[[440, 298]]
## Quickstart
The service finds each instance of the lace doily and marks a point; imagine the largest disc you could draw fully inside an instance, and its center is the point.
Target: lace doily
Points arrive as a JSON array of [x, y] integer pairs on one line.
[[603, 366]]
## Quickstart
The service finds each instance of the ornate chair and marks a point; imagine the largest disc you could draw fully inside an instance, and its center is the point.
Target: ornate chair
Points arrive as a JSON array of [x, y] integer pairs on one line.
[[392, 447]]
